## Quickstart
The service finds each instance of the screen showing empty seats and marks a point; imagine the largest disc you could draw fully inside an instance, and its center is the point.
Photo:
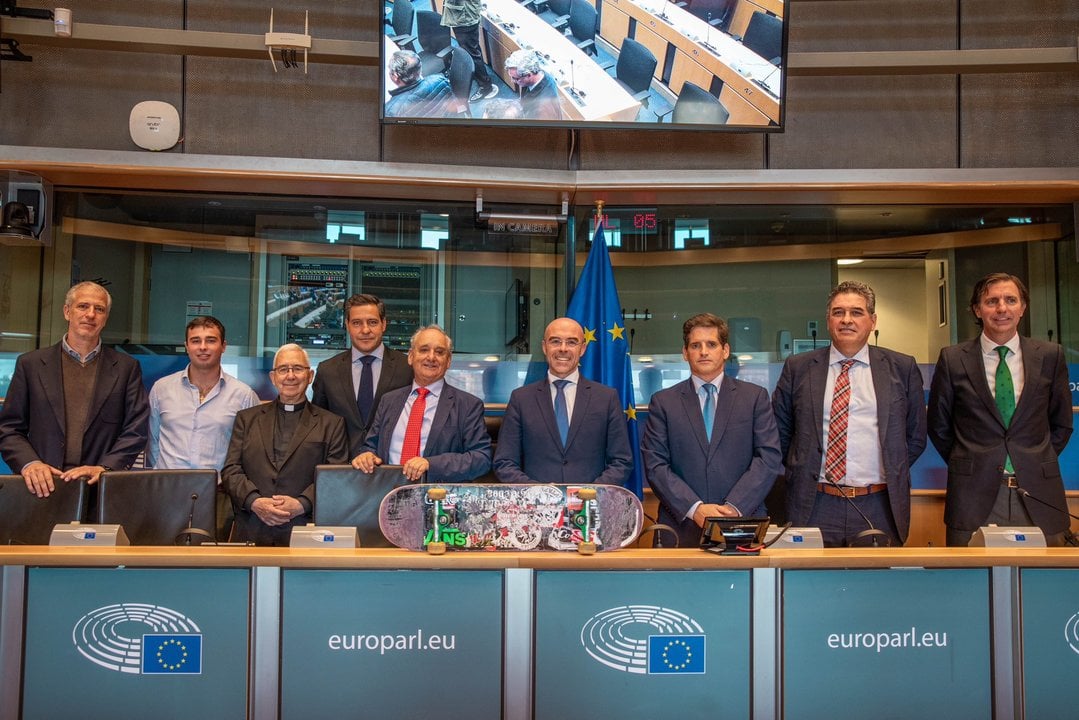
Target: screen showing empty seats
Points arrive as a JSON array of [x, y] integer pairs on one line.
[[690, 64]]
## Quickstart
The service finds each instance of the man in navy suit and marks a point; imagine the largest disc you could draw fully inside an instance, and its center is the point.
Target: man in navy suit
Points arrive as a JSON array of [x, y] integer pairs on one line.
[[351, 384], [880, 424], [994, 461], [77, 408], [451, 443], [563, 428], [710, 445]]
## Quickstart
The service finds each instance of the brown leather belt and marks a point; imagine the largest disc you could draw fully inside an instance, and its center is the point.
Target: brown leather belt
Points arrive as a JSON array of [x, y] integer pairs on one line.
[[850, 490]]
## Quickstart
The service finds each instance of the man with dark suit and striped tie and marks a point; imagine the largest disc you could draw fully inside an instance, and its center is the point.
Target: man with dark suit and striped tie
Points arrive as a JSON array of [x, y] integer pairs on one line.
[[1000, 415], [851, 420], [429, 427]]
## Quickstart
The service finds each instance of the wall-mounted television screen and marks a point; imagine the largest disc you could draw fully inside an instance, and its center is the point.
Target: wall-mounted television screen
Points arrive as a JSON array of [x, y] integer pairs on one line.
[[690, 64]]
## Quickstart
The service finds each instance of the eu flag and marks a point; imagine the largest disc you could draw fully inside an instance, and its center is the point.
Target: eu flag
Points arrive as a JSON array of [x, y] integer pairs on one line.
[[172, 654], [596, 307], [675, 654]]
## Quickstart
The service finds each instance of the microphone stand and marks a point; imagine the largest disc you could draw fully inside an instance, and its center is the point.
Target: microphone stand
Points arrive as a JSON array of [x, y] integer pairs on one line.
[[871, 536], [1069, 537], [184, 537]]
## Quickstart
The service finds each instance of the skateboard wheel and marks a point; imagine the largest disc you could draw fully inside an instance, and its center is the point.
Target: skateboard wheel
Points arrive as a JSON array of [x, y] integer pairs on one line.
[[587, 493], [586, 548], [436, 494], [436, 548]]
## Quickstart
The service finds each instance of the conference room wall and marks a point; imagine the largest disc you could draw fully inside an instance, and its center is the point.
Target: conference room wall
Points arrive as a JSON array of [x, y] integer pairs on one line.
[[81, 98]]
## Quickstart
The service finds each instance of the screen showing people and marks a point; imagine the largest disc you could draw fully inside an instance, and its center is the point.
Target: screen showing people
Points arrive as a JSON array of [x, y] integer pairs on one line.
[[715, 63]]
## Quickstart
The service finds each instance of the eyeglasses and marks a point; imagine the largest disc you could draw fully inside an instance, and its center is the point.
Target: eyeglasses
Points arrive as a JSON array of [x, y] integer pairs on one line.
[[570, 343], [294, 369]]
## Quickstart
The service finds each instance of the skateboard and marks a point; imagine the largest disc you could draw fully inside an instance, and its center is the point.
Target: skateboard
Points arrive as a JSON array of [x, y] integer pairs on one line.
[[586, 518]]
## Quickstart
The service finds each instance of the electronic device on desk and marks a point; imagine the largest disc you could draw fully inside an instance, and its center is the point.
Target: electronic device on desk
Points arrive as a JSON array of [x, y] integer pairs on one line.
[[1013, 537], [793, 538], [734, 535], [324, 537], [77, 534]]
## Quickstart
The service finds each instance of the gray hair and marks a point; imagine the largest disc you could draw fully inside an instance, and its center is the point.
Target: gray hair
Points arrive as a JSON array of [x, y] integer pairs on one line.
[[432, 326], [858, 288], [526, 61], [69, 298], [405, 64], [291, 346]]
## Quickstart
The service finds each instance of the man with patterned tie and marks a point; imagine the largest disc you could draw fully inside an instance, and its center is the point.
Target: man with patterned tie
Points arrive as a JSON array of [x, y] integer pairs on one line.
[[851, 423], [352, 383], [710, 445], [1000, 415], [429, 426], [563, 428]]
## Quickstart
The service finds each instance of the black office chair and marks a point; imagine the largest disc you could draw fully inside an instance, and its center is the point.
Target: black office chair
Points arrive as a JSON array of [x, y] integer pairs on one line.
[[634, 70], [717, 13], [26, 519], [345, 496], [400, 24], [764, 36], [697, 106], [459, 74], [558, 12], [582, 26], [160, 507], [433, 39]]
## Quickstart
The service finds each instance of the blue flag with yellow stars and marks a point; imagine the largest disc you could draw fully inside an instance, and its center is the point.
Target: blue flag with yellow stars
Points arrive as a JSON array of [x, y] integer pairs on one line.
[[596, 307]]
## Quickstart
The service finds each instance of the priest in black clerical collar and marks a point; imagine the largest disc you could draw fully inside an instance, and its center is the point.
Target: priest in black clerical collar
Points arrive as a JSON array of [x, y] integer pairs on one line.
[[272, 486]]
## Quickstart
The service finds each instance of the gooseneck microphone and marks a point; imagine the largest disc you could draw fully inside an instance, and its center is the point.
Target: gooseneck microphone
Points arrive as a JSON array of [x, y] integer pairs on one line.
[[185, 536], [1069, 537], [871, 536]]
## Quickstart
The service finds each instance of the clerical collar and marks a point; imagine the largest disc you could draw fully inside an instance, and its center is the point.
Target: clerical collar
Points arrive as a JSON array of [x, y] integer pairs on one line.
[[291, 408]]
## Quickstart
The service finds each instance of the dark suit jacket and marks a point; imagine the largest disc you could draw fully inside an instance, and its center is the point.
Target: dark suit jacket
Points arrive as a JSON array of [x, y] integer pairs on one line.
[[333, 390], [738, 466], [968, 432], [32, 422], [597, 447], [798, 402], [458, 445], [249, 468]]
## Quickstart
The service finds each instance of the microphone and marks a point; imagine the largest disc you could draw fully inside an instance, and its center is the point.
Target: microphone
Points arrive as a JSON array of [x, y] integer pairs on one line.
[[876, 337], [184, 537], [1069, 537], [814, 333], [871, 536]]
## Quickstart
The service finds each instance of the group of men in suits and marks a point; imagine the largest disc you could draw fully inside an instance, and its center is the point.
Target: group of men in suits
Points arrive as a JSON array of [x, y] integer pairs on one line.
[[846, 422], [843, 427]]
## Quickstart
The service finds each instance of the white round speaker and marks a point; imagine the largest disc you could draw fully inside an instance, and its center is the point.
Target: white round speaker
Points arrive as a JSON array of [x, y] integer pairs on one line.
[[154, 125]]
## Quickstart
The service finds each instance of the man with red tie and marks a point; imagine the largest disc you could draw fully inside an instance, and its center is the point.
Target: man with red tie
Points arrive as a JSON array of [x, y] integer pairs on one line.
[[851, 420], [429, 426]]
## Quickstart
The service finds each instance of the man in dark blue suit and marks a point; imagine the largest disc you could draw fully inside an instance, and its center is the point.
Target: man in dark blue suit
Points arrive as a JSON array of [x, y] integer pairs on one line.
[[563, 428], [451, 443], [77, 408], [881, 427], [710, 445], [352, 383]]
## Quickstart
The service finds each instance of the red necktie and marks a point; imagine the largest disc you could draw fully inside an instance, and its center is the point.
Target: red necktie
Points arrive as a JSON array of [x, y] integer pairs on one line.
[[411, 446], [835, 458]]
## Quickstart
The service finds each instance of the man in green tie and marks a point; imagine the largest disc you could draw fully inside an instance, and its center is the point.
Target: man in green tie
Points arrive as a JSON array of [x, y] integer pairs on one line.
[[1000, 415]]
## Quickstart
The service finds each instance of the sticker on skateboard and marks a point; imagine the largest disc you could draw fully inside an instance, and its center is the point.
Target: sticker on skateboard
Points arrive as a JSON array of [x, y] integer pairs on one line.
[[496, 516]]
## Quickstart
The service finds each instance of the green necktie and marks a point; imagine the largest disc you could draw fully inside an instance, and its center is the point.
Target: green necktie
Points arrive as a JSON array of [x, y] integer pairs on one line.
[[1005, 396]]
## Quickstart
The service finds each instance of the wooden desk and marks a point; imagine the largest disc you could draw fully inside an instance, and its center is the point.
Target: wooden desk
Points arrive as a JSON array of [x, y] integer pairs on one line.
[[701, 52]]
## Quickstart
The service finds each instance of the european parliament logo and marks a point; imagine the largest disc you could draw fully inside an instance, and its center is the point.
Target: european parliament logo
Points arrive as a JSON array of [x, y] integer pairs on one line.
[[140, 639], [645, 639]]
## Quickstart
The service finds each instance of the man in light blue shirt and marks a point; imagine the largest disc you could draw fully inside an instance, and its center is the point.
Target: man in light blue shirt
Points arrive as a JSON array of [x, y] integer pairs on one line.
[[429, 427], [192, 411]]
